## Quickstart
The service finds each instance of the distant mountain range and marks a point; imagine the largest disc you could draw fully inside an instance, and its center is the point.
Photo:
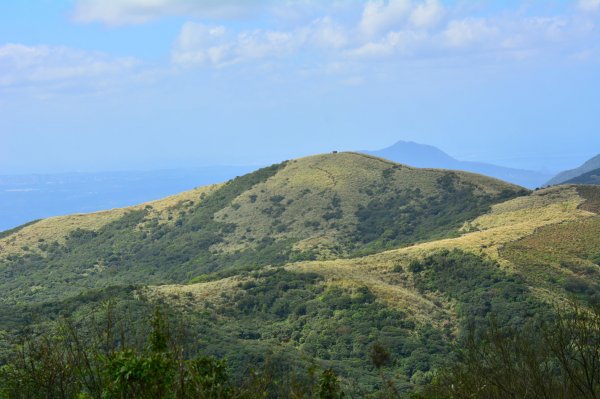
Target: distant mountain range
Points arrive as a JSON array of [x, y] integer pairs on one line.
[[571, 176], [427, 156]]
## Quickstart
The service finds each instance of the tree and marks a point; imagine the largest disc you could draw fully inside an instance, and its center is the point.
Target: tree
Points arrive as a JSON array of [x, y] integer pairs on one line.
[[558, 358]]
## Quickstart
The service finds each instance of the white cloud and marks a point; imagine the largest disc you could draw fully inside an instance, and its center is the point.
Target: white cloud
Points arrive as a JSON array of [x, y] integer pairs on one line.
[[373, 50], [367, 36], [330, 30], [46, 65], [261, 44], [404, 43], [589, 5], [379, 16], [466, 32], [123, 12], [396, 29], [427, 15], [325, 33], [199, 44], [524, 35]]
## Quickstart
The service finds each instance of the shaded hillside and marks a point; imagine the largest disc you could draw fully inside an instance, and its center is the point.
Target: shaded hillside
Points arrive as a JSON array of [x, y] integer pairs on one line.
[[568, 175], [426, 156], [592, 177]]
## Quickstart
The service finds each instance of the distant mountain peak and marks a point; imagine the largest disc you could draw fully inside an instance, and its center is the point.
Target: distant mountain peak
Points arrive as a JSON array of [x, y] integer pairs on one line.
[[428, 156], [419, 155]]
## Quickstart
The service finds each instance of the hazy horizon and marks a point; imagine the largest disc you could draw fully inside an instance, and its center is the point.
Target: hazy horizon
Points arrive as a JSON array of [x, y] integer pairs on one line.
[[552, 164], [87, 85]]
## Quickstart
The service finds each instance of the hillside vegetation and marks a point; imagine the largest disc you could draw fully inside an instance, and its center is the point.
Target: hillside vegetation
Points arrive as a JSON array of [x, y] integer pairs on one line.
[[319, 207], [316, 262]]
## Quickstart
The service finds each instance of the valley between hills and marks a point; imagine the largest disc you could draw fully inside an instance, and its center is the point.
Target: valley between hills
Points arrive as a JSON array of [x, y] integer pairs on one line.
[[312, 262]]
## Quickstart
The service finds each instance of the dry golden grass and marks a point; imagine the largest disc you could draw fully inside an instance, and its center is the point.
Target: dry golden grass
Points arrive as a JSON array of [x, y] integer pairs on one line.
[[393, 289], [166, 209], [173, 201], [316, 180], [56, 229], [389, 288], [322, 178], [507, 222], [198, 295], [511, 221], [319, 178]]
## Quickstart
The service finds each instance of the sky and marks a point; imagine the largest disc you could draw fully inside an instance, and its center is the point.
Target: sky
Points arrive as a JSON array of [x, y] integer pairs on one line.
[[100, 85]]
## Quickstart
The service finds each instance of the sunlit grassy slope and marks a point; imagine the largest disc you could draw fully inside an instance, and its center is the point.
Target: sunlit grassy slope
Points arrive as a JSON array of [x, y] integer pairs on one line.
[[319, 207], [515, 261], [292, 204], [315, 199], [550, 222], [56, 229]]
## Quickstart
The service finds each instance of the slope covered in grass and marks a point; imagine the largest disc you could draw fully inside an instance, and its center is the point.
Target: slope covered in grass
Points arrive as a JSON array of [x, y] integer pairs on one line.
[[319, 207], [527, 237], [439, 288]]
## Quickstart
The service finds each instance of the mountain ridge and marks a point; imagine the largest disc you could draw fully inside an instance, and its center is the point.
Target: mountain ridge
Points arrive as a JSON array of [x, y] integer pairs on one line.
[[568, 175], [591, 177]]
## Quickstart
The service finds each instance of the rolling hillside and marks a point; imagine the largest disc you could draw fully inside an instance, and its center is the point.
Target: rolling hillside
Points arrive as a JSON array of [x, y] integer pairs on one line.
[[321, 207], [515, 262], [314, 260]]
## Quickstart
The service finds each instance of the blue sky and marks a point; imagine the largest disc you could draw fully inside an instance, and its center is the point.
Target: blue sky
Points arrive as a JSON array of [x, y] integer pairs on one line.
[[89, 85]]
